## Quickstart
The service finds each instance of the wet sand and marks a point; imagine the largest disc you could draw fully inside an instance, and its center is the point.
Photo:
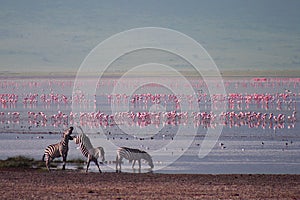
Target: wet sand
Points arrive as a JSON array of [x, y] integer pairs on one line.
[[71, 184]]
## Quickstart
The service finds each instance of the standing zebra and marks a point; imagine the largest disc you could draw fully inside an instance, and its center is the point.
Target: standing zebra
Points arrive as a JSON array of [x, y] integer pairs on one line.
[[59, 149], [132, 155], [88, 151]]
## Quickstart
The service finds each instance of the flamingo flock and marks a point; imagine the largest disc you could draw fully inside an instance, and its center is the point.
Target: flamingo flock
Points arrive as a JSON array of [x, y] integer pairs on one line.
[[233, 100], [238, 101], [158, 119], [44, 103]]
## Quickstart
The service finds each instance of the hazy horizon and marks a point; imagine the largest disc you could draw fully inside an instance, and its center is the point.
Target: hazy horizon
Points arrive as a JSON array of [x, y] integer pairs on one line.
[[239, 35]]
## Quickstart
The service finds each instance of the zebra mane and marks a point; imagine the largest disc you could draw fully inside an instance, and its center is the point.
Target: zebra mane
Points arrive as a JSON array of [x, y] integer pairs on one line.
[[66, 135], [85, 140]]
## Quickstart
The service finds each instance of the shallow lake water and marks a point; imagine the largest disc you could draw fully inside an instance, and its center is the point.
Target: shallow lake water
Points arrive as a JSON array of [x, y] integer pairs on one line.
[[35, 112]]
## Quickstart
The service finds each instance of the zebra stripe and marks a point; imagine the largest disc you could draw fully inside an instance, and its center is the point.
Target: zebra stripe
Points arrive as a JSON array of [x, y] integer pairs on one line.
[[59, 149], [88, 151], [132, 155]]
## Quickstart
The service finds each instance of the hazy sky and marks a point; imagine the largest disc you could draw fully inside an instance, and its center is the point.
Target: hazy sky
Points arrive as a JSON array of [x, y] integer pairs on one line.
[[57, 35]]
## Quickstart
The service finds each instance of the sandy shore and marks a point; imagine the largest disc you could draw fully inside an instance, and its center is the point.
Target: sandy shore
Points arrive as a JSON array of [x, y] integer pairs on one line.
[[70, 184]]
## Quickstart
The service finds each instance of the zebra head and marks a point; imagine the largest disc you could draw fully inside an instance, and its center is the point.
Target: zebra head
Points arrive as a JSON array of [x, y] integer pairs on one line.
[[83, 139], [67, 133], [148, 158], [77, 139]]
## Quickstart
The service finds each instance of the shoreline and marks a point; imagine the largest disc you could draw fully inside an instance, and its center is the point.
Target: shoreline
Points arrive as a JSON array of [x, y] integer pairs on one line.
[[227, 74], [34, 184]]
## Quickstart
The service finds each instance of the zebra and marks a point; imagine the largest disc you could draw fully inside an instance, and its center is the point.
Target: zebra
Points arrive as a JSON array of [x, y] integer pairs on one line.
[[132, 155], [59, 149], [88, 151]]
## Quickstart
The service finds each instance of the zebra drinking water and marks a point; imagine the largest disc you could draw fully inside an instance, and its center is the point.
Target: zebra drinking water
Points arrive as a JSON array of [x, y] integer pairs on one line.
[[87, 150], [59, 149], [132, 155]]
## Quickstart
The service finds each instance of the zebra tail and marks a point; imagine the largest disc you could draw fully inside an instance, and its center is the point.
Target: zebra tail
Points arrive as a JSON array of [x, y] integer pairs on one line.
[[97, 153], [43, 159]]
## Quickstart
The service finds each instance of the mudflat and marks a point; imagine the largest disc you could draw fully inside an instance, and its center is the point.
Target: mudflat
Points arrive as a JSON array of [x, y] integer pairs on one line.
[[73, 184]]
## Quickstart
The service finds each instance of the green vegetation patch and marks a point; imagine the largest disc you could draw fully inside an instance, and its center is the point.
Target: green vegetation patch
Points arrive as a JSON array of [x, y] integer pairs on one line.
[[26, 162], [17, 161]]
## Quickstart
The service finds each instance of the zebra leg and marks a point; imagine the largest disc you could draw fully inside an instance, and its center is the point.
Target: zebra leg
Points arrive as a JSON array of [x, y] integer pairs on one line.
[[133, 163], [88, 164], [96, 162], [64, 162], [48, 160], [118, 162], [139, 165]]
